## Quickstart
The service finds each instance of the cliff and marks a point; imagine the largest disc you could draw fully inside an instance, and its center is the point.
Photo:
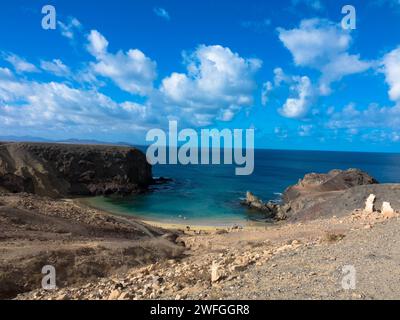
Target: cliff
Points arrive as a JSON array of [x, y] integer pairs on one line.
[[336, 193], [60, 170]]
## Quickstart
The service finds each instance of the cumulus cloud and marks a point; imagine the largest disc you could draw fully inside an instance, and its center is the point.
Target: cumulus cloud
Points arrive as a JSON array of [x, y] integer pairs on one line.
[[217, 84], [132, 71], [56, 67], [323, 45], [374, 116], [299, 94], [373, 122], [298, 104], [391, 69], [57, 106], [20, 65]]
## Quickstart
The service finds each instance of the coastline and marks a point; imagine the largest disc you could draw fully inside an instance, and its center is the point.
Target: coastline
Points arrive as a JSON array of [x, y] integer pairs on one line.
[[287, 261], [184, 225]]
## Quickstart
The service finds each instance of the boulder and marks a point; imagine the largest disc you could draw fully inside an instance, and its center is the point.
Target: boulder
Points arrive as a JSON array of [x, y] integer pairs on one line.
[[370, 204], [216, 272], [387, 210]]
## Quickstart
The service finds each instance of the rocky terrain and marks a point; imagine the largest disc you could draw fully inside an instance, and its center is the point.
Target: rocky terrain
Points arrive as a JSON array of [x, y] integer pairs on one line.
[[334, 220], [61, 170], [324, 195], [82, 243], [304, 260]]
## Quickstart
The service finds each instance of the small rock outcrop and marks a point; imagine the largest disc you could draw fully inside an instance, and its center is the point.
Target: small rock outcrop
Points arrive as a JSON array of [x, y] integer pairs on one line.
[[60, 170], [387, 209], [370, 204], [216, 273], [270, 209], [371, 215]]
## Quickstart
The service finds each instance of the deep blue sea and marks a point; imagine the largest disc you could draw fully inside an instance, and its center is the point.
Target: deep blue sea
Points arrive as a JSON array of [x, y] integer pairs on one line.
[[211, 194]]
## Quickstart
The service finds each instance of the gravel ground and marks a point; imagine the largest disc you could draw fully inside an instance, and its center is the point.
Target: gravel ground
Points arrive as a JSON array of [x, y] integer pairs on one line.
[[315, 272], [290, 261]]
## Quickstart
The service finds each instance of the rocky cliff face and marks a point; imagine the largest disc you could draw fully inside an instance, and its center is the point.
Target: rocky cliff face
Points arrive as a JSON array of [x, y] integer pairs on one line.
[[335, 193], [335, 180], [59, 170]]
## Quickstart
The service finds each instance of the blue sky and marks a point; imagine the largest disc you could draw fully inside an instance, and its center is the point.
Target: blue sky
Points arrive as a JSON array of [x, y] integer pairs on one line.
[[112, 70]]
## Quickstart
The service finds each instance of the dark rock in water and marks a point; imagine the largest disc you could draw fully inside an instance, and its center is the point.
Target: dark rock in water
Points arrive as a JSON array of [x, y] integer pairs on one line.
[[270, 209], [162, 180], [59, 170]]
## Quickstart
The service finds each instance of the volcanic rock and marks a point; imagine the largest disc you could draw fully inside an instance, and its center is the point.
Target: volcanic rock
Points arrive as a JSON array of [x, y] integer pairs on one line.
[[60, 170]]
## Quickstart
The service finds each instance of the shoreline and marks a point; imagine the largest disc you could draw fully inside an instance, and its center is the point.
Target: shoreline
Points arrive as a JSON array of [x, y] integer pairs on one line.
[[257, 264], [190, 225]]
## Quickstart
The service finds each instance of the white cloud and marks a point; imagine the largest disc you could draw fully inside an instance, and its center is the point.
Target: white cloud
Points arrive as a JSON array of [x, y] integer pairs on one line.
[[298, 105], [299, 94], [218, 83], [343, 65], [98, 44], [373, 116], [56, 67], [323, 45], [68, 29], [161, 12], [391, 69], [281, 133], [265, 92], [131, 71], [305, 130], [20, 65], [55, 106]]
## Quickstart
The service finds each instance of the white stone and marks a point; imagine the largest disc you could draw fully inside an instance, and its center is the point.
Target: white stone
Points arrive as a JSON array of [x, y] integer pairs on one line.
[[369, 204], [215, 272], [387, 210], [386, 207]]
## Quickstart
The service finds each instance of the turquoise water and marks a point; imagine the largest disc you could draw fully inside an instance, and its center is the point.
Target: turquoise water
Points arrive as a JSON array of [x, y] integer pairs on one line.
[[211, 194]]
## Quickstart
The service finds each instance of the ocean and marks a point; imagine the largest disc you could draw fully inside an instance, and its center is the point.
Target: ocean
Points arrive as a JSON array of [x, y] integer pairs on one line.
[[210, 195]]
